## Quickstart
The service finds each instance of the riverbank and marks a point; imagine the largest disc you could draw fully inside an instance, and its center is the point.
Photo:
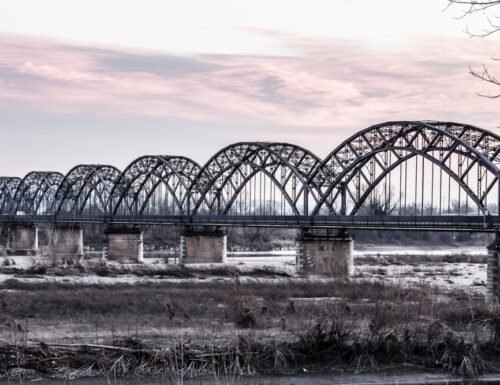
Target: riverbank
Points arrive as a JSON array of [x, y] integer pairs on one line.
[[327, 347], [245, 319], [374, 378]]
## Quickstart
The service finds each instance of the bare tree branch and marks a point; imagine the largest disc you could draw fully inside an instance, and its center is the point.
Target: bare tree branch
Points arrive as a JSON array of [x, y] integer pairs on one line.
[[485, 75], [474, 6]]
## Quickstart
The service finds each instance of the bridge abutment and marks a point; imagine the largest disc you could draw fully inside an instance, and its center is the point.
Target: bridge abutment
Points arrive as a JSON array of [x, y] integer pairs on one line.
[[203, 245], [321, 252], [493, 270], [124, 244], [67, 242], [23, 239]]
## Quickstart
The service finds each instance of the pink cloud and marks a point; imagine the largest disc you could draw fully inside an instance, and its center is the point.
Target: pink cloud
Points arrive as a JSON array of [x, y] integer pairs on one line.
[[331, 83]]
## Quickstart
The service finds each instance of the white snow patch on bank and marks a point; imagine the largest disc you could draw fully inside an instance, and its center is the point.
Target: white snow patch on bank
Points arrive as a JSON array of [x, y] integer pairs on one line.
[[448, 275]]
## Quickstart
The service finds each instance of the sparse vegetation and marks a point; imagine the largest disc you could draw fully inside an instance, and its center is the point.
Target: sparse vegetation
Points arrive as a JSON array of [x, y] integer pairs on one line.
[[190, 328], [168, 271], [413, 259], [328, 343]]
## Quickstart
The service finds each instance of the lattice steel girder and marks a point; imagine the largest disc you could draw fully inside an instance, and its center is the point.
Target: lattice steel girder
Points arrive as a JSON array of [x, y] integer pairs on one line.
[[299, 175], [8, 188], [265, 157], [335, 166], [83, 180], [144, 174], [36, 187]]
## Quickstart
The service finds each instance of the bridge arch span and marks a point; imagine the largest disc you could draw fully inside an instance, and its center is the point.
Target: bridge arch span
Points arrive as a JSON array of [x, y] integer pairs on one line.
[[366, 158], [36, 193], [8, 188], [87, 189], [484, 141], [271, 178], [158, 183], [252, 177], [409, 154]]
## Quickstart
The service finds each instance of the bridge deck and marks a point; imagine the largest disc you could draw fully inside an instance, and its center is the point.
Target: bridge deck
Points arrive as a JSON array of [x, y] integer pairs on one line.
[[441, 223]]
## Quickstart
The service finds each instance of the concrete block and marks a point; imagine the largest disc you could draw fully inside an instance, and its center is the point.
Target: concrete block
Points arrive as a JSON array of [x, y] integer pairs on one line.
[[24, 239], [68, 243], [204, 247], [125, 245], [329, 256]]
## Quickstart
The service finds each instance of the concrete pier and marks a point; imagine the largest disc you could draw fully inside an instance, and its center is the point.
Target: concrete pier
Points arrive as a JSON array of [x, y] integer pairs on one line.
[[493, 270], [203, 245], [24, 239], [124, 244], [320, 252], [67, 243], [4, 237]]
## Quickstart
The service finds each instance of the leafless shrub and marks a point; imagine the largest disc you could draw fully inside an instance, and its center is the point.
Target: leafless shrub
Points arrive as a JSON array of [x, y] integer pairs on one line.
[[405, 325]]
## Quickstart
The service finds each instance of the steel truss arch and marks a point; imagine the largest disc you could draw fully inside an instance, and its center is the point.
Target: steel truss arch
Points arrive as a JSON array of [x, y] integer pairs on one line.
[[349, 157], [146, 174], [227, 170], [8, 188], [305, 185], [36, 192], [478, 201], [484, 141], [87, 188], [391, 167]]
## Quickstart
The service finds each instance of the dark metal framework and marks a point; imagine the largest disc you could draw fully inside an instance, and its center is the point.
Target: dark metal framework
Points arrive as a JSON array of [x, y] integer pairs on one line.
[[8, 188], [87, 189], [36, 193], [156, 184], [402, 168], [255, 178], [466, 154]]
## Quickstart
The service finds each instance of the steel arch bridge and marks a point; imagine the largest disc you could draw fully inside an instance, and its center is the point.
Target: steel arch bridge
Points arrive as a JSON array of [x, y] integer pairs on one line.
[[401, 175]]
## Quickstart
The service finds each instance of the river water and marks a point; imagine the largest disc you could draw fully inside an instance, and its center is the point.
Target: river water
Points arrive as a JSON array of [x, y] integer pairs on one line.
[[306, 379]]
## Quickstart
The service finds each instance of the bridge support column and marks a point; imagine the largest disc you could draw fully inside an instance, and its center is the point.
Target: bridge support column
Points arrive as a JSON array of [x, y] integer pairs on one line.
[[4, 237], [203, 245], [493, 270], [23, 239], [67, 242], [321, 252], [124, 244]]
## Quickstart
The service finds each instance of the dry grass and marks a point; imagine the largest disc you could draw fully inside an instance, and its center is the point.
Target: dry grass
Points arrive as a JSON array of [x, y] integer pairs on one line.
[[169, 271], [327, 344], [205, 298], [404, 259], [196, 327]]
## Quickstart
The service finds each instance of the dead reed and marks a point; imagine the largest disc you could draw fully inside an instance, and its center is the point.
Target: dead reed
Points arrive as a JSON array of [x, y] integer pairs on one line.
[[189, 328], [329, 344]]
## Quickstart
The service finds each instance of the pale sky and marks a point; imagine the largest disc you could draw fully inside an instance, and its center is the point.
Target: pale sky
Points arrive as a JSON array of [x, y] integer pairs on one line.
[[107, 81]]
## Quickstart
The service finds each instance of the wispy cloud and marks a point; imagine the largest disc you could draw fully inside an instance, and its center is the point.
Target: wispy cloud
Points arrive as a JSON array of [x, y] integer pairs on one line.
[[329, 83]]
